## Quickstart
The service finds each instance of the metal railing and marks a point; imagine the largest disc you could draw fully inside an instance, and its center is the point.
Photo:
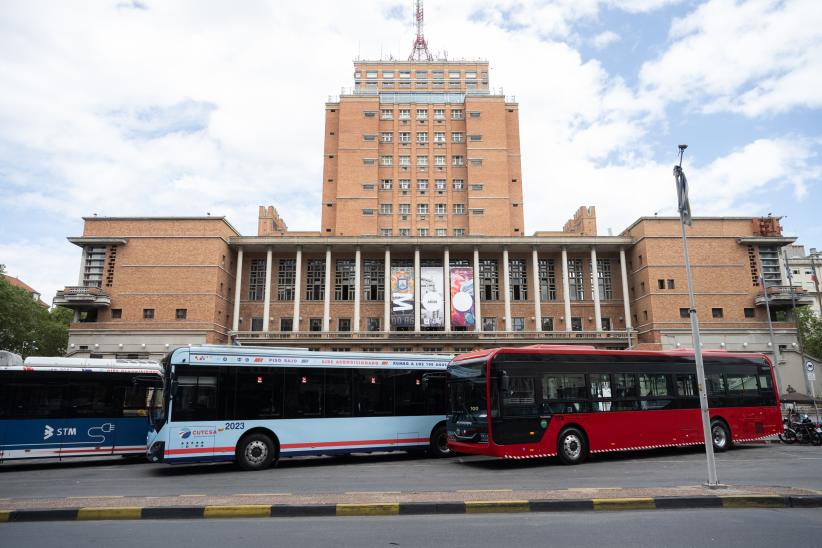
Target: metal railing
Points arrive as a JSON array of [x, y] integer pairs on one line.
[[548, 336]]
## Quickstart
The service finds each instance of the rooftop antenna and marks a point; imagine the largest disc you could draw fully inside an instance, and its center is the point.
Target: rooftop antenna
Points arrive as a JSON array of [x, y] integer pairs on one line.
[[420, 51]]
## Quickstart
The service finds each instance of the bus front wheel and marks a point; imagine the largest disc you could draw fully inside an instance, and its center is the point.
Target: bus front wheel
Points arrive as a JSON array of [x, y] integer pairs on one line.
[[438, 447], [572, 447], [255, 452]]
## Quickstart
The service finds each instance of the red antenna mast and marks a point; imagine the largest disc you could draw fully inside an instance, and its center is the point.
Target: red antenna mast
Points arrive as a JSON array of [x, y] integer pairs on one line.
[[420, 51]]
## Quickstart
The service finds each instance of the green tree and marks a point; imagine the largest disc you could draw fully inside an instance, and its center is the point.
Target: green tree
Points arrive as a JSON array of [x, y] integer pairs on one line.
[[27, 328], [810, 327]]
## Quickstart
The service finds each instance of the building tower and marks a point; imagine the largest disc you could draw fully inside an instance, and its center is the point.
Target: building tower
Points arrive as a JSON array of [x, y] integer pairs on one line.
[[421, 148]]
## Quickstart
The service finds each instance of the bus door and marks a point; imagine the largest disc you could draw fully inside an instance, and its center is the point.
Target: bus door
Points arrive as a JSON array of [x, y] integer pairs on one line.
[[193, 417], [91, 425], [519, 419]]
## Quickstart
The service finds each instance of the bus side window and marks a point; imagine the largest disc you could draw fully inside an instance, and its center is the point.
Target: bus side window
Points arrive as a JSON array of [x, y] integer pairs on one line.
[[435, 394], [601, 390], [303, 392], [339, 401], [410, 393], [374, 393], [260, 393], [196, 399], [687, 391]]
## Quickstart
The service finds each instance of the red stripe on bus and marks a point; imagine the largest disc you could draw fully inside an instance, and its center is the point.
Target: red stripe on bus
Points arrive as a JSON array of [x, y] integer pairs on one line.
[[310, 445]]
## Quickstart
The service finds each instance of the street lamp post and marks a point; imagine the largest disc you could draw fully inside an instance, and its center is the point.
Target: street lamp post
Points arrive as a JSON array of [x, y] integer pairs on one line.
[[815, 278], [808, 382]]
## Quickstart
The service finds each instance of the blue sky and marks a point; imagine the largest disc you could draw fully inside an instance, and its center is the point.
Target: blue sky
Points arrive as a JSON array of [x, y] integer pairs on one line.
[[185, 107]]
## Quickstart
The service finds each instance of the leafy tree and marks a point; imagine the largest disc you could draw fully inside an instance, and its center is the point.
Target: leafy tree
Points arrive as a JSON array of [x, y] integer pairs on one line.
[[27, 328], [810, 328]]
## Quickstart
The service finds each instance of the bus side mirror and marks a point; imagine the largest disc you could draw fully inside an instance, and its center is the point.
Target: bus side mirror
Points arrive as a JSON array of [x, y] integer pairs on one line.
[[505, 381]]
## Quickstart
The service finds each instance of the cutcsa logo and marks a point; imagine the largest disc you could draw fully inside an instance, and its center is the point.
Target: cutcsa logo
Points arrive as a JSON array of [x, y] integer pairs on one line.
[[184, 434]]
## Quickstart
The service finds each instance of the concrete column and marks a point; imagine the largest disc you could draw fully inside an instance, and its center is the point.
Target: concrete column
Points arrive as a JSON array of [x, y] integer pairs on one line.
[[327, 300], [446, 294], [357, 288], [387, 278], [267, 300], [566, 292], [82, 276], [595, 277], [238, 279], [298, 279], [506, 288], [626, 299], [417, 325], [477, 311], [535, 289]]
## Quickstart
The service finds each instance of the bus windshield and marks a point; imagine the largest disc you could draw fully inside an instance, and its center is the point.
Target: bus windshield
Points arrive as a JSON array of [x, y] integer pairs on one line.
[[468, 418]]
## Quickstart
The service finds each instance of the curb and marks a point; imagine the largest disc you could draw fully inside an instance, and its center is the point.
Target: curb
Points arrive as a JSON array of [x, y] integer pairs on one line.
[[412, 508]]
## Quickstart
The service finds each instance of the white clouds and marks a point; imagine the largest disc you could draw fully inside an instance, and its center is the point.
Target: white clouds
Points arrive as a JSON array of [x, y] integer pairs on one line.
[[605, 39], [756, 57]]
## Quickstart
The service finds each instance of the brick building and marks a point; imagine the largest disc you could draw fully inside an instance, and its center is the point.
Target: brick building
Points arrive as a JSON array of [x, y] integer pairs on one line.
[[424, 255]]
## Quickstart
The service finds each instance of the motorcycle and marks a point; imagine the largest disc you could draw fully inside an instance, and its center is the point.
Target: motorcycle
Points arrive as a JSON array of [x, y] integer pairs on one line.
[[801, 430]]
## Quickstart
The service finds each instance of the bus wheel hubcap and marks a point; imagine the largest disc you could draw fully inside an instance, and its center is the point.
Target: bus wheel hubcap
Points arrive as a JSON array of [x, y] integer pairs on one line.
[[719, 436], [256, 452], [572, 446], [442, 443]]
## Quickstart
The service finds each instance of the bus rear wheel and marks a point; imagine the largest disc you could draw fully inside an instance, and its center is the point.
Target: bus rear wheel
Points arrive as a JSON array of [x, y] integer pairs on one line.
[[438, 447], [572, 447], [255, 452], [720, 436]]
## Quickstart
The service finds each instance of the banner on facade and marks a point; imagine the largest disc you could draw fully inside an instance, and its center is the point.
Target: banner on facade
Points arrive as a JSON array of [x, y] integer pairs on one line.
[[432, 301], [462, 296], [402, 297]]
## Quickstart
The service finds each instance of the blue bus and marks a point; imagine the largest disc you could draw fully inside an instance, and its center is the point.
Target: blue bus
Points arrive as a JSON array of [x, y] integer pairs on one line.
[[76, 407], [255, 405]]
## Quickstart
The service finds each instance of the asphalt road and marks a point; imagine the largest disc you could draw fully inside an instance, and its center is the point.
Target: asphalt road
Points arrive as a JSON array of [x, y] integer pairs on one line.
[[771, 464], [637, 529]]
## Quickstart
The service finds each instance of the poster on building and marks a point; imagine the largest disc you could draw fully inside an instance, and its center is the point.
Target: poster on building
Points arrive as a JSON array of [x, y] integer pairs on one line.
[[462, 296], [402, 297], [432, 302]]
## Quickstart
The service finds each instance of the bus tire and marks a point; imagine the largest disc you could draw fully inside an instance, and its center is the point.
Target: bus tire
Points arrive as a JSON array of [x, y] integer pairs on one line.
[[255, 452], [438, 447], [572, 447], [720, 435]]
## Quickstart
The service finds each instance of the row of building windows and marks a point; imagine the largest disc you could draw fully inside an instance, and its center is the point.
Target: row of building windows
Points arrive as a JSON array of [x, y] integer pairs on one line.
[[457, 160], [420, 74], [423, 209], [149, 314], [422, 184], [422, 232], [422, 114], [374, 279], [422, 137], [374, 324]]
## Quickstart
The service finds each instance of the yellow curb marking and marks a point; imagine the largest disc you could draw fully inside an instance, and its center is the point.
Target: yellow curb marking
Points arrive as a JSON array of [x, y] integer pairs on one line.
[[482, 506], [242, 511], [753, 501], [123, 512], [4, 515], [390, 509], [635, 503]]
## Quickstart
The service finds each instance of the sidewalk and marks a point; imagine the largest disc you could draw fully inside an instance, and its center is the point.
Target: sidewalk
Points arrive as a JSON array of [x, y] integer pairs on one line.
[[399, 503]]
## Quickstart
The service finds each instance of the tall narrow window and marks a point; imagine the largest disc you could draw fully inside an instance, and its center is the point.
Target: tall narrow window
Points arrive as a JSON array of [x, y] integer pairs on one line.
[[285, 279], [94, 266], [315, 280], [575, 280], [373, 280], [604, 279], [489, 280], [344, 280], [547, 280], [518, 280], [256, 280]]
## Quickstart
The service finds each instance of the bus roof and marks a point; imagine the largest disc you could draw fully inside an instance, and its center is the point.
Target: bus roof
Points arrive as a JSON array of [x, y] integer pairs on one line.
[[577, 350], [88, 365], [263, 357]]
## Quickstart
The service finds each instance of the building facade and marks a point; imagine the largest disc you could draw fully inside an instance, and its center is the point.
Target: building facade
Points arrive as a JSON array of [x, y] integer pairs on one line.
[[421, 248]]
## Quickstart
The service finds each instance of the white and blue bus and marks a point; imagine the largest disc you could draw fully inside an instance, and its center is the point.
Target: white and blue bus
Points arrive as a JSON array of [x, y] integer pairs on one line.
[[255, 405], [75, 407]]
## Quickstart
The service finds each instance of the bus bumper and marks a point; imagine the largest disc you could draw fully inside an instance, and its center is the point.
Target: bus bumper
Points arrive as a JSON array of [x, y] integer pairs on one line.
[[469, 448]]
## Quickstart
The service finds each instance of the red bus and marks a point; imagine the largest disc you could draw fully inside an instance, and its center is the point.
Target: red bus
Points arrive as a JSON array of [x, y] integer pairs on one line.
[[546, 401]]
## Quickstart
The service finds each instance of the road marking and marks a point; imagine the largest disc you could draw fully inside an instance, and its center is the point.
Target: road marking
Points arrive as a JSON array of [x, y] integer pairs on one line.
[[810, 458], [593, 488], [191, 496], [485, 490], [373, 492], [261, 495], [127, 512], [98, 497]]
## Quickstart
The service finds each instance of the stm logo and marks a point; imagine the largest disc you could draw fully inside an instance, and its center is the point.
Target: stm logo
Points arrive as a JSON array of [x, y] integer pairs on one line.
[[49, 432]]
